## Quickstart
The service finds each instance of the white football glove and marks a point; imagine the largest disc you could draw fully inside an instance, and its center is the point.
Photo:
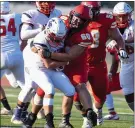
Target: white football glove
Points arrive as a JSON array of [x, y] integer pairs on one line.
[[123, 56], [111, 46]]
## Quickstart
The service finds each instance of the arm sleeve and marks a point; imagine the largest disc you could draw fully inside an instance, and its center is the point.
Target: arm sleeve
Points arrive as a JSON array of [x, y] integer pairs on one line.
[[28, 32]]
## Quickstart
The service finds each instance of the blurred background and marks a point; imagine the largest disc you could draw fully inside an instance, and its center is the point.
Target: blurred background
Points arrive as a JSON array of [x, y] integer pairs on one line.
[[65, 6]]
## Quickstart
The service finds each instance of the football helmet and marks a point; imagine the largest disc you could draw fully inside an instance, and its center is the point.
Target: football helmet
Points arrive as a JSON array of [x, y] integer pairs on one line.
[[4, 7], [95, 7], [55, 31], [79, 15], [45, 7], [122, 13]]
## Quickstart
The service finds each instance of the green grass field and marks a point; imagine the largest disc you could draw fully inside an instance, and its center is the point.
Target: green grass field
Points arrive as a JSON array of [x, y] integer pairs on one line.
[[126, 115]]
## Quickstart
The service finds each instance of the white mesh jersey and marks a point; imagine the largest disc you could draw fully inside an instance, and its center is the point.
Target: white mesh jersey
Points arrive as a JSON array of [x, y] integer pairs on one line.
[[32, 59], [35, 18], [128, 33], [9, 32]]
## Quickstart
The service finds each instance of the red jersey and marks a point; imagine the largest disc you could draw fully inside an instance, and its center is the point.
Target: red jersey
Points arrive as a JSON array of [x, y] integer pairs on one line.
[[99, 31], [77, 69], [81, 37]]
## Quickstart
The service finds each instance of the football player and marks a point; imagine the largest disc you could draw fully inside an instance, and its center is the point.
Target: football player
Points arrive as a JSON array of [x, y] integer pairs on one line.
[[77, 41], [12, 64], [103, 25], [122, 13], [33, 22], [49, 71], [114, 83]]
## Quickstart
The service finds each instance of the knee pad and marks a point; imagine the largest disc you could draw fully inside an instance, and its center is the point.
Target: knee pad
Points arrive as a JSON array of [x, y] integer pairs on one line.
[[40, 92], [38, 100], [48, 101]]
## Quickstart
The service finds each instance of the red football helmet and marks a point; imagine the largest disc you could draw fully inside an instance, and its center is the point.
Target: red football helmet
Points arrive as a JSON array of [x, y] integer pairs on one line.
[[94, 5], [46, 7], [79, 15]]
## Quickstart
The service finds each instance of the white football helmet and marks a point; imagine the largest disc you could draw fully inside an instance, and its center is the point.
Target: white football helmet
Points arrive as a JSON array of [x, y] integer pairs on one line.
[[4, 7], [122, 12], [55, 31]]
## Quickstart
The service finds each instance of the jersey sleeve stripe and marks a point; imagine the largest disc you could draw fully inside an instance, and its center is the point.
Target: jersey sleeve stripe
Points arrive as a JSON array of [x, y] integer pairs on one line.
[[27, 15], [85, 44]]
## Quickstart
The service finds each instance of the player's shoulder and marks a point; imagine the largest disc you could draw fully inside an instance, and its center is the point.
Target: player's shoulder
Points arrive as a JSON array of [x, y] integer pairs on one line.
[[106, 16], [57, 12], [29, 13]]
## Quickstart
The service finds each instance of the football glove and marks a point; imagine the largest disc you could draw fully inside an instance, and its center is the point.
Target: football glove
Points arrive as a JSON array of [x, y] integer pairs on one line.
[[111, 46], [123, 55], [46, 53]]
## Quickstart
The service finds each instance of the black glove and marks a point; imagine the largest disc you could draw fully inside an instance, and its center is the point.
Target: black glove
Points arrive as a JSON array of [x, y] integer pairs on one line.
[[46, 53], [92, 117]]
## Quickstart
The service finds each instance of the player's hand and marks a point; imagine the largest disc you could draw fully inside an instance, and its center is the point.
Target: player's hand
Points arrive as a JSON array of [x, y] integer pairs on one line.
[[111, 46], [44, 53], [110, 76], [123, 55]]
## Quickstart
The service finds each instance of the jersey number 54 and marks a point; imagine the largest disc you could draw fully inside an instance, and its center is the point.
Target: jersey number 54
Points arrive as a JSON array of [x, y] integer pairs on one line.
[[10, 27]]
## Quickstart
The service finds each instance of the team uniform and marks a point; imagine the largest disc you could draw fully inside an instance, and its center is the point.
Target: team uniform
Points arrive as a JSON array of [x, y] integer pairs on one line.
[[11, 56], [32, 24], [127, 69], [77, 69], [36, 19], [48, 79], [97, 54]]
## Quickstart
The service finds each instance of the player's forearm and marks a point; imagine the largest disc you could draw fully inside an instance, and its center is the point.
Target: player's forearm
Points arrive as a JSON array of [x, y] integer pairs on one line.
[[114, 66], [73, 53], [61, 57], [121, 43], [54, 64]]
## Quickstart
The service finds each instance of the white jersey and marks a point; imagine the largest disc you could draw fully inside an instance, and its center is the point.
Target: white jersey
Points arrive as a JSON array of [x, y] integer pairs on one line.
[[32, 59], [9, 32], [128, 33], [35, 18], [127, 69]]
